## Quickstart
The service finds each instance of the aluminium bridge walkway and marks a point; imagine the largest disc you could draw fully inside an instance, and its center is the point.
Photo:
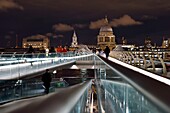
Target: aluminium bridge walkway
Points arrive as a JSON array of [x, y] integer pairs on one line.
[[20, 65], [120, 87]]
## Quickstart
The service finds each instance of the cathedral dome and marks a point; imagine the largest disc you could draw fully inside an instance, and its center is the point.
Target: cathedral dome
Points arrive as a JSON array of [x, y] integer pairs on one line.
[[106, 29]]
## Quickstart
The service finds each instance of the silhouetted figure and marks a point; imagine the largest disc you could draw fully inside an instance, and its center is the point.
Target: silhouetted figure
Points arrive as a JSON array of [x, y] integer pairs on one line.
[[46, 78], [107, 51], [52, 50], [94, 50], [30, 52]]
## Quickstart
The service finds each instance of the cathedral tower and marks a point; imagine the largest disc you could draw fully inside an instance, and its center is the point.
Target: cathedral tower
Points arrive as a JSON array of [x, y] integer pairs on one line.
[[74, 40]]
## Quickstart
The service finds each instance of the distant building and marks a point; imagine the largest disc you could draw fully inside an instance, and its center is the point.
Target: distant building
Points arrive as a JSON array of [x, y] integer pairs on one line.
[[124, 41], [74, 40], [148, 43], [106, 37], [124, 47], [166, 43], [91, 46], [37, 41]]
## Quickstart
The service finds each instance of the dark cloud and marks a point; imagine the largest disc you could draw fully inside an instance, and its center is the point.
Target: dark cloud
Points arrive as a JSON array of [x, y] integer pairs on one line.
[[54, 35], [148, 17], [59, 36], [39, 16], [125, 20], [9, 4], [116, 7], [62, 27], [8, 37], [97, 24], [49, 34], [80, 25]]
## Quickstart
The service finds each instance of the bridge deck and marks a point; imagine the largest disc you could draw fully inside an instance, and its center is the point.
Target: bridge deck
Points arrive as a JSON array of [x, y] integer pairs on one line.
[[156, 90]]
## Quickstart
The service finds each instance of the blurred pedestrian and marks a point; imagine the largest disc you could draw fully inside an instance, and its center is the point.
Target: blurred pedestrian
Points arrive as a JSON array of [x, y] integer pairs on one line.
[[107, 51], [30, 52], [46, 78]]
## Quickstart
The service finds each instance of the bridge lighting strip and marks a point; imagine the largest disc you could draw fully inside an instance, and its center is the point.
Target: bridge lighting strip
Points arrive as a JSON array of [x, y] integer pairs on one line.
[[151, 75], [91, 106], [81, 56], [36, 60]]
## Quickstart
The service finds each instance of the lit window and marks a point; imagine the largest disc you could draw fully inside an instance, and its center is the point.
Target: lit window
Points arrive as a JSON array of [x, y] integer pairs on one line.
[[111, 39], [107, 39], [100, 39]]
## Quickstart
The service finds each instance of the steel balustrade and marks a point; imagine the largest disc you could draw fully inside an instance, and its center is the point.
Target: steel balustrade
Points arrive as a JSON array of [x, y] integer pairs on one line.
[[117, 90]]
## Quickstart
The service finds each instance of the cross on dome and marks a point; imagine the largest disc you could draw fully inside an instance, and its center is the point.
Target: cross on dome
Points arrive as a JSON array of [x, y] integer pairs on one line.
[[106, 20]]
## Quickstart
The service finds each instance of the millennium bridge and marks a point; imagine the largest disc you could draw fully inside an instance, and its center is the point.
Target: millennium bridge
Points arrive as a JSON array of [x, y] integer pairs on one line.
[[84, 82]]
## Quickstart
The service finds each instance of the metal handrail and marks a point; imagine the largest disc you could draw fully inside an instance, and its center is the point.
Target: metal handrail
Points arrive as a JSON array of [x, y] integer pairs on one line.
[[60, 102], [10, 70], [133, 77]]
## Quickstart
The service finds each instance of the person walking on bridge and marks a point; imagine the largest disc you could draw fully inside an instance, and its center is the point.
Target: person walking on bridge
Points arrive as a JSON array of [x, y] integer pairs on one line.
[[107, 51], [46, 78]]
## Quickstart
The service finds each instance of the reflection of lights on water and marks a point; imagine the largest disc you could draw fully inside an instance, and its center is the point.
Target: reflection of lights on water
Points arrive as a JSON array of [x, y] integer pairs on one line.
[[74, 67]]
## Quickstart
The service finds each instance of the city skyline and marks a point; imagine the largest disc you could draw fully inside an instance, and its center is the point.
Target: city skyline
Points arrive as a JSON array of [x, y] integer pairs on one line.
[[134, 20]]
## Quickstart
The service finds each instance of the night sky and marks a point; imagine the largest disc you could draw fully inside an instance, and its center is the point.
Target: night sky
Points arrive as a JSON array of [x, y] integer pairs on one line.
[[133, 19]]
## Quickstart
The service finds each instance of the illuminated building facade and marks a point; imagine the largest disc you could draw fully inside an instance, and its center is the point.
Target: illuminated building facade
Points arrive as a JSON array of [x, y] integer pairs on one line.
[[148, 44], [124, 41], [166, 43], [38, 41], [106, 37]]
